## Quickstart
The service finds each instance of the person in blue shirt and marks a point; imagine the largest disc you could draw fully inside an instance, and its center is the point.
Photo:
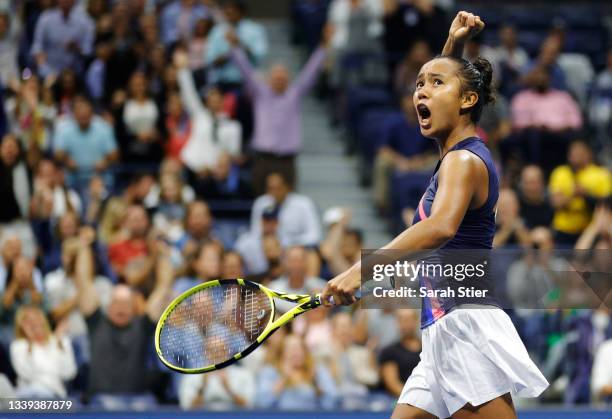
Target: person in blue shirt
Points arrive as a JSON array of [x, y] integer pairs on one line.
[[178, 20], [473, 359], [403, 148], [85, 144], [252, 38]]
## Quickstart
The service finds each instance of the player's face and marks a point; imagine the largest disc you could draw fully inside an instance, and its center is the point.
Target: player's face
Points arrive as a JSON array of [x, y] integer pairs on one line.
[[437, 98]]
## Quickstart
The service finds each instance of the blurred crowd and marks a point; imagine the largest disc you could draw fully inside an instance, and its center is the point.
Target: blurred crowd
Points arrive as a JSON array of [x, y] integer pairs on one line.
[[146, 147]]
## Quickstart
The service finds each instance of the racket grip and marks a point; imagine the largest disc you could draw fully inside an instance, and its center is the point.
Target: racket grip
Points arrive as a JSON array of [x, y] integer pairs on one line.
[[332, 302]]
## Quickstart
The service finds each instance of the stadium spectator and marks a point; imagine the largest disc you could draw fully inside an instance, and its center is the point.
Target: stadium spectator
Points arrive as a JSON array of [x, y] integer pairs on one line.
[[585, 334], [85, 145], [232, 265], [173, 168], [60, 292], [379, 326], [277, 107], [43, 360], [574, 189], [512, 59], [511, 229], [63, 39], [354, 365], [250, 35], [295, 279], [121, 336], [95, 77], [407, 22], [65, 89], [357, 25], [315, 328], [196, 48], [225, 182], [535, 209], [399, 359], [10, 251], [10, 35], [205, 266], [601, 381], [495, 124], [178, 20], [532, 281], [51, 198], [51, 237], [131, 254], [598, 234], [20, 289], [406, 73], [31, 113], [545, 119], [212, 133], [251, 245], [114, 209], [403, 149], [177, 124], [139, 122], [198, 228], [170, 209], [230, 388], [600, 107], [341, 248], [15, 192], [548, 60], [298, 221], [297, 382]]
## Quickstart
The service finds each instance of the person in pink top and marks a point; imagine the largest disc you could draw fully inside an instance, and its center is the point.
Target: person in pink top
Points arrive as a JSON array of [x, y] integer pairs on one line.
[[543, 119], [544, 108]]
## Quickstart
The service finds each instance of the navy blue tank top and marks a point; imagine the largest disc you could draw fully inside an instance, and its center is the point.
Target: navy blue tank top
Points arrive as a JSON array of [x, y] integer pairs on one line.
[[476, 231]]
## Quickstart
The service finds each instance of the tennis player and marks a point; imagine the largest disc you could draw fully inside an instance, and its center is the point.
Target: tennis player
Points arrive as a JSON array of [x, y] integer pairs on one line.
[[473, 360]]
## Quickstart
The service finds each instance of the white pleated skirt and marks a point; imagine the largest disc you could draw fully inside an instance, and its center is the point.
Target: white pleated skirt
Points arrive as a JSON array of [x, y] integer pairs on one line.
[[471, 355]]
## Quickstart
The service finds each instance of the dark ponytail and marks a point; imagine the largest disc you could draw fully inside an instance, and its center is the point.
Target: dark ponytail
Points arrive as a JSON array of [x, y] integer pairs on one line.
[[477, 77]]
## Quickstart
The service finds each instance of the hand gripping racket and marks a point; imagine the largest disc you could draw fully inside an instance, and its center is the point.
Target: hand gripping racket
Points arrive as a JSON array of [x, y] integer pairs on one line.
[[216, 323]]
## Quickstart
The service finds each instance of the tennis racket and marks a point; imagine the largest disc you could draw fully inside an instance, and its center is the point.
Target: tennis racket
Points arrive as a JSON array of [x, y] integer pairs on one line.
[[216, 323]]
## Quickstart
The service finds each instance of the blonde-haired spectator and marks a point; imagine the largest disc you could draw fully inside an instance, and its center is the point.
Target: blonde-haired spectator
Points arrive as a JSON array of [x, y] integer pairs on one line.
[[42, 360], [294, 381]]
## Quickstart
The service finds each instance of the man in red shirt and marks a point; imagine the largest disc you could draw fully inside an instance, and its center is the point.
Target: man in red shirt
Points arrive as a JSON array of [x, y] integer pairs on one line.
[[130, 255]]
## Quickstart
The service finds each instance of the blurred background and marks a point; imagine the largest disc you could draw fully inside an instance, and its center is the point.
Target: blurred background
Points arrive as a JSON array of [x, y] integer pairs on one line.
[[150, 145]]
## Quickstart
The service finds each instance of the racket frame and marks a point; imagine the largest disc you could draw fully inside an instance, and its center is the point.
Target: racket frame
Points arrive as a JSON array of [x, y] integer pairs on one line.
[[304, 303]]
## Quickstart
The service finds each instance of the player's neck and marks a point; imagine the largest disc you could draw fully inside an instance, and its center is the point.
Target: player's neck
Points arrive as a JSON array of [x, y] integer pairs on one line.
[[458, 134]]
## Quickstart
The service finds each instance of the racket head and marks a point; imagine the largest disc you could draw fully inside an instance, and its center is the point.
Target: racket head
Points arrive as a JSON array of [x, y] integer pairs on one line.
[[213, 325]]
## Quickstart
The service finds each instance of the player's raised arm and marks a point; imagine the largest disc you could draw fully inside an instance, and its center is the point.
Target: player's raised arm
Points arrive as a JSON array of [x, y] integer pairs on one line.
[[464, 27]]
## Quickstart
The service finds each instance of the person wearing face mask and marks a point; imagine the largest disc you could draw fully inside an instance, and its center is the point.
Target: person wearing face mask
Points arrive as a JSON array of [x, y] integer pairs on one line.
[[585, 336], [601, 373]]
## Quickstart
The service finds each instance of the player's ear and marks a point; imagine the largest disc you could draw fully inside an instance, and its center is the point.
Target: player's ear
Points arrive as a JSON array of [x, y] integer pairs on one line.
[[468, 100]]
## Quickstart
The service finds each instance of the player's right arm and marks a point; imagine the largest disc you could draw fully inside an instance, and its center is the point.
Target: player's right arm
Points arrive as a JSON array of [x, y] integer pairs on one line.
[[464, 27]]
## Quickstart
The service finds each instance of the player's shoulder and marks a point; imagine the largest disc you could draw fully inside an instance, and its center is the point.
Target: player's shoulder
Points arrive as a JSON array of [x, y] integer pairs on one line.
[[460, 161]]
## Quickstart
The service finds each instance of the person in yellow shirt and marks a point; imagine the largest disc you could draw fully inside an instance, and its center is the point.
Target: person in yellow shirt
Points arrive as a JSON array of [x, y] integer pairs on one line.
[[575, 188]]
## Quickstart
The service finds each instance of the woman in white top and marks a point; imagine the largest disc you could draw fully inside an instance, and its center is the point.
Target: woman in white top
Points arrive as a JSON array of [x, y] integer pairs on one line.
[[212, 133], [141, 118], [42, 361]]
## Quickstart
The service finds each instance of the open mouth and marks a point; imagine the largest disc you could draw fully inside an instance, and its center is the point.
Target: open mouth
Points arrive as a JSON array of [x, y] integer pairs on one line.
[[424, 115]]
